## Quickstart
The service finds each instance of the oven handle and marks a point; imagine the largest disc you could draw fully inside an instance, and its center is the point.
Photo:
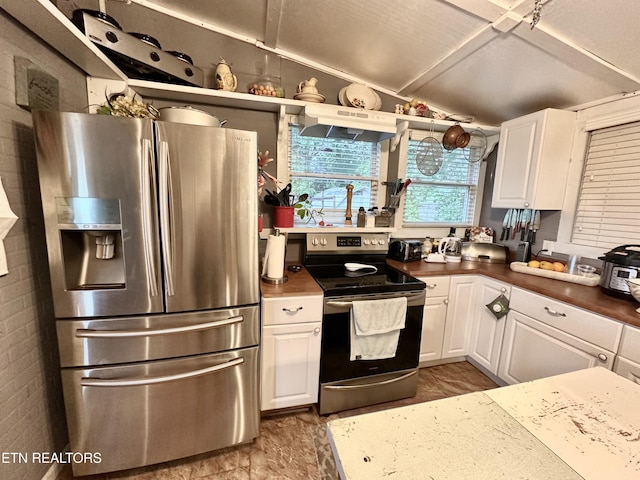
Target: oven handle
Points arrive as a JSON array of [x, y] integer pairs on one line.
[[99, 382], [411, 299], [370, 385]]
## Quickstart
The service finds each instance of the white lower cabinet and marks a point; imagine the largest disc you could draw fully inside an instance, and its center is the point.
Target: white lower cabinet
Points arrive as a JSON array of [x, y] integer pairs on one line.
[[434, 318], [291, 335], [561, 339], [460, 310], [487, 330], [628, 360]]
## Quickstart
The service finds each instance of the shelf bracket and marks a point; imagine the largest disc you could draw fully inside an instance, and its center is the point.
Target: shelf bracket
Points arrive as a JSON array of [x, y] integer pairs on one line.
[[402, 127], [492, 141], [282, 122]]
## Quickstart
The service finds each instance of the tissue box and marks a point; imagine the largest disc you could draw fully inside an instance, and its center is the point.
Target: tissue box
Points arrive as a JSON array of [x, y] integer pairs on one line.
[[481, 234]]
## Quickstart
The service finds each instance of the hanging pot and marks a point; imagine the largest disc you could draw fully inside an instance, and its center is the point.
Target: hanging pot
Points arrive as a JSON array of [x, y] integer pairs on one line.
[[455, 137], [190, 115]]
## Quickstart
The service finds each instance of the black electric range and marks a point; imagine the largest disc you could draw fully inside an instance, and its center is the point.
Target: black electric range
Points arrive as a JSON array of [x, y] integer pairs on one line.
[[347, 264]]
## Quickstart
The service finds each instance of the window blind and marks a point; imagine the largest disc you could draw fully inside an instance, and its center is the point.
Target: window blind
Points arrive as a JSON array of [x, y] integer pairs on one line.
[[323, 167], [447, 197], [608, 213]]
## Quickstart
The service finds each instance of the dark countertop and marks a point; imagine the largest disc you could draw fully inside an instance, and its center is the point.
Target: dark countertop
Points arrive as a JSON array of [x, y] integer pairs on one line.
[[589, 298]]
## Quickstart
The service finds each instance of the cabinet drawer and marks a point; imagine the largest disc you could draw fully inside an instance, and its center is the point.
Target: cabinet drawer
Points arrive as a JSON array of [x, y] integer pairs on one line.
[[601, 331], [295, 309], [630, 344], [436, 286]]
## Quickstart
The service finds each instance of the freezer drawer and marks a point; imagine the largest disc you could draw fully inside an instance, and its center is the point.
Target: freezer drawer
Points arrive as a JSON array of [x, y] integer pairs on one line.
[[147, 413], [93, 342]]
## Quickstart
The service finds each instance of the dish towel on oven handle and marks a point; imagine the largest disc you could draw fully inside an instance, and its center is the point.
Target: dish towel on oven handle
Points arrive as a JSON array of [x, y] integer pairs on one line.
[[375, 327]]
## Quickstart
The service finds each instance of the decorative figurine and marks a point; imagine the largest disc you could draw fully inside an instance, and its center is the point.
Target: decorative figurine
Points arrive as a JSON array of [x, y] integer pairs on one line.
[[225, 79]]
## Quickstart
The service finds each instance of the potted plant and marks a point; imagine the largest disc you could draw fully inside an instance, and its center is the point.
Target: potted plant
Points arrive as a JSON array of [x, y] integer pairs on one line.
[[304, 209]]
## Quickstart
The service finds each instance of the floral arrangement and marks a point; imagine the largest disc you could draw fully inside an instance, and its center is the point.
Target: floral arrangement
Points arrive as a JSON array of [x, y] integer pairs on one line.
[[120, 105]]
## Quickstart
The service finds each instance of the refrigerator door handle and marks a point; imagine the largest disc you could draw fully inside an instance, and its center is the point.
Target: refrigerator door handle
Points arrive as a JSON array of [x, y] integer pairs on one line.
[[145, 188], [89, 333], [166, 215], [98, 382]]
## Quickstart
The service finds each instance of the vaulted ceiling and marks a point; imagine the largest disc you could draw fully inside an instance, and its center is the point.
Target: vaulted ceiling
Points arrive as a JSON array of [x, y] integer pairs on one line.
[[477, 57]]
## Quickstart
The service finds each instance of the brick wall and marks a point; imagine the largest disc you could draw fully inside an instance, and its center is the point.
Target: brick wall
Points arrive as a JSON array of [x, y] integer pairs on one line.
[[31, 406]]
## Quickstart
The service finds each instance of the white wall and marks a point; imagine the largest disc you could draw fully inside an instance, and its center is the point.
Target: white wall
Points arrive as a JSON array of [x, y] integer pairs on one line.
[[31, 406]]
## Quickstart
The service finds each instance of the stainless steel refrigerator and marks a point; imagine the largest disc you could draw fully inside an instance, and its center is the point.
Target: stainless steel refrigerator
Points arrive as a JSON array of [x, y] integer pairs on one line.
[[152, 242]]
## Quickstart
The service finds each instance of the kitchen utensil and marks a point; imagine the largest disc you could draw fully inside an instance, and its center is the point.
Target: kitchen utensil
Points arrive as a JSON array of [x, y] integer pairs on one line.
[[505, 223], [535, 226], [477, 147], [429, 154], [271, 200], [524, 222], [284, 196], [359, 267], [513, 222], [451, 248], [455, 137], [190, 115]]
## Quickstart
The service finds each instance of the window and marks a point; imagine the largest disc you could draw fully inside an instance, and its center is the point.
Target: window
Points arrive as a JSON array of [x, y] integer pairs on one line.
[[609, 200], [447, 197], [323, 167]]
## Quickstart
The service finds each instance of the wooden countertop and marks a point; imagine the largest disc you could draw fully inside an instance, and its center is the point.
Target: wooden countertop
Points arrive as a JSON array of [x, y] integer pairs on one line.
[[572, 426], [298, 283], [589, 298]]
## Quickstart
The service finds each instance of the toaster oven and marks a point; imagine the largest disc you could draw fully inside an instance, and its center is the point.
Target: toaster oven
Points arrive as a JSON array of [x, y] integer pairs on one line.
[[405, 250]]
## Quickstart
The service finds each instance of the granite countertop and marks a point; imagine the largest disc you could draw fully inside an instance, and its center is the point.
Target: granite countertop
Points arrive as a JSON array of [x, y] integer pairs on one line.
[[589, 298], [572, 426]]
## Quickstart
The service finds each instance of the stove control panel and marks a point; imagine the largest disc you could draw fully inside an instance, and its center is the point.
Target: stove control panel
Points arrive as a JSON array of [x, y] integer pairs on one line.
[[348, 243]]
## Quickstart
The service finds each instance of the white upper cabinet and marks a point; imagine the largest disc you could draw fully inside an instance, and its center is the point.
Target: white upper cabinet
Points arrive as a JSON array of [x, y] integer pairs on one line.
[[533, 160]]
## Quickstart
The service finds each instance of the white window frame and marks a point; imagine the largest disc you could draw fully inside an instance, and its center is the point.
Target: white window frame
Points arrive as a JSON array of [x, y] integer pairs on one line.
[[282, 168], [608, 113], [434, 230]]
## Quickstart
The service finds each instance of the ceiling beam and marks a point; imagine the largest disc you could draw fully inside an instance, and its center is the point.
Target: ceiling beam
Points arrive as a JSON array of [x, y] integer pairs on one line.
[[272, 23]]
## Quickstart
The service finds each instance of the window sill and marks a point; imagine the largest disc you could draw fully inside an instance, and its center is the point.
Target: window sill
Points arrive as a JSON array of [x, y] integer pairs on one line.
[[341, 229]]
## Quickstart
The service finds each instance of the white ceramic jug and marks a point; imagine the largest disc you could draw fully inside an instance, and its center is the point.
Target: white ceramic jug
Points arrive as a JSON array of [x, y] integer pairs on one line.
[[451, 247]]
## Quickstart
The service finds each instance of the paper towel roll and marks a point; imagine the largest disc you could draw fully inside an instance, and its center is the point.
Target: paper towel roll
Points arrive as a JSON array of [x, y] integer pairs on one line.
[[274, 256]]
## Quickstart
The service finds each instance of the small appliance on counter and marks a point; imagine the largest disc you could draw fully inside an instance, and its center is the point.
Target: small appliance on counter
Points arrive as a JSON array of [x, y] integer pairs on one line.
[[485, 252], [405, 250], [451, 248], [619, 265]]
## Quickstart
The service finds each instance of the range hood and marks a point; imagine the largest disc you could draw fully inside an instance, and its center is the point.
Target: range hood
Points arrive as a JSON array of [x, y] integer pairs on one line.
[[330, 121]]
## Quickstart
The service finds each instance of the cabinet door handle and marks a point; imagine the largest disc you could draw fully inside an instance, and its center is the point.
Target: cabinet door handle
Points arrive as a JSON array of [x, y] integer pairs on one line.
[[316, 330], [503, 290], [432, 285], [555, 313], [602, 357], [292, 310], [446, 302]]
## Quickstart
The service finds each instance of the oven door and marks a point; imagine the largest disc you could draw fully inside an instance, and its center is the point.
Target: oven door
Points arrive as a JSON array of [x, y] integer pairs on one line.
[[335, 363]]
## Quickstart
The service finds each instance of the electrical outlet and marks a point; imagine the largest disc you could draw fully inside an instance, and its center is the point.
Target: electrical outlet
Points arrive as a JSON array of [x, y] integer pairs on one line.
[[548, 246]]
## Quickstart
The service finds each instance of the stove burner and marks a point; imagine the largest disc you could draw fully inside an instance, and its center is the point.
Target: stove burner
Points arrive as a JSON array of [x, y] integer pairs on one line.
[[181, 56], [148, 39]]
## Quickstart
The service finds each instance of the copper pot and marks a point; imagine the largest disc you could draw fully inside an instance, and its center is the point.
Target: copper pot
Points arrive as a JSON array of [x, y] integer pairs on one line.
[[455, 137]]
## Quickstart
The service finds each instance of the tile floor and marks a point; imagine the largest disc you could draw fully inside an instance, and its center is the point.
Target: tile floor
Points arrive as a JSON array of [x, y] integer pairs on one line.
[[293, 446]]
